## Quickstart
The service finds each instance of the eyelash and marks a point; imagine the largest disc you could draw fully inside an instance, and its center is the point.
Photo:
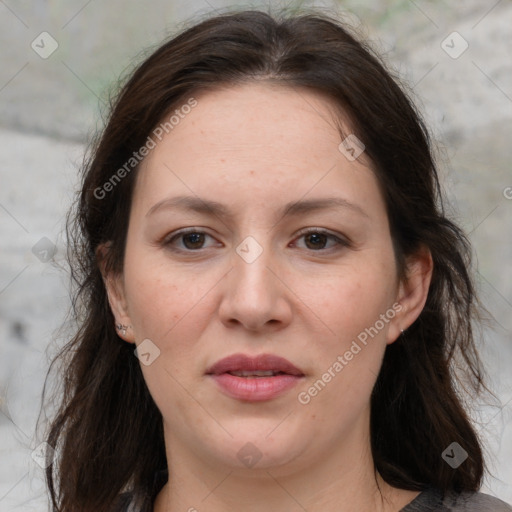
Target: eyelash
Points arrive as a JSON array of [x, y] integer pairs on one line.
[[340, 242]]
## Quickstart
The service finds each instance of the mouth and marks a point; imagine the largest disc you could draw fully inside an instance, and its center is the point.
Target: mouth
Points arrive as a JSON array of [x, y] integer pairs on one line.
[[264, 365], [255, 374], [259, 378]]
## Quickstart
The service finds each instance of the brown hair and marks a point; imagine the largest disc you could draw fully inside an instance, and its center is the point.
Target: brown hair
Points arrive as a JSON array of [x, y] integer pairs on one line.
[[107, 430]]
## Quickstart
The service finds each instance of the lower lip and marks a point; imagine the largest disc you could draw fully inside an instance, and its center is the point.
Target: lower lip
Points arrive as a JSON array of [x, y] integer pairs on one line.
[[255, 389]]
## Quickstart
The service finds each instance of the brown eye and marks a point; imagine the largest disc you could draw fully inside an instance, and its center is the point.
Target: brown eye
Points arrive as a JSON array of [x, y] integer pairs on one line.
[[191, 241], [316, 240], [194, 239]]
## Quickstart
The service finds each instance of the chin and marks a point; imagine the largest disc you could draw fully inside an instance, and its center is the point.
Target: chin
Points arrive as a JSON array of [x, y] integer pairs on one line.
[[254, 449]]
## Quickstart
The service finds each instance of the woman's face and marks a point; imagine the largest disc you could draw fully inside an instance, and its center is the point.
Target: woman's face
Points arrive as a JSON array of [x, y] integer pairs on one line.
[[252, 281]]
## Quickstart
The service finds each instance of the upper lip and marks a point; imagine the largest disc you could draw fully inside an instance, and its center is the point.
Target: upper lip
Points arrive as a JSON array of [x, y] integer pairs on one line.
[[262, 362]]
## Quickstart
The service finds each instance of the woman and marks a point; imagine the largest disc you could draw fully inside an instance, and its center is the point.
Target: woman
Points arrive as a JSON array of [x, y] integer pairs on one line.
[[261, 224]]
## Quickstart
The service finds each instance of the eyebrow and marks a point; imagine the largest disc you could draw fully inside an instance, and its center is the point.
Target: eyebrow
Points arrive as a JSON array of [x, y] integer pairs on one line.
[[291, 209]]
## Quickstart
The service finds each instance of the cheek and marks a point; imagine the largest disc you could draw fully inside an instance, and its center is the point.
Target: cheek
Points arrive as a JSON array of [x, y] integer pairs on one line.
[[347, 364], [160, 296], [353, 299], [172, 308]]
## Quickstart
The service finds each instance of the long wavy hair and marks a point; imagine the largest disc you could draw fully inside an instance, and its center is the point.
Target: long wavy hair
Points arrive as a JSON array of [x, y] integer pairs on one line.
[[107, 430]]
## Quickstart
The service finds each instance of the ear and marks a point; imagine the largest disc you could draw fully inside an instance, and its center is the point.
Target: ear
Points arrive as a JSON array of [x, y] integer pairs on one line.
[[412, 292], [114, 286]]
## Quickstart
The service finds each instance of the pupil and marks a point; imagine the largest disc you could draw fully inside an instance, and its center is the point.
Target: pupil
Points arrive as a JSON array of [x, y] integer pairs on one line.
[[195, 240], [316, 235]]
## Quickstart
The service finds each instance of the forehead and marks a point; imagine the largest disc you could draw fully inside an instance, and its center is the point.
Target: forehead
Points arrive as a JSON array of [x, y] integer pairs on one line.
[[262, 110], [241, 141], [257, 114]]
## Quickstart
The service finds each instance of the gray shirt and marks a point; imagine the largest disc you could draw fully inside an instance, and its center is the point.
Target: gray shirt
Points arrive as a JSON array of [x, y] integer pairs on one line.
[[431, 500]]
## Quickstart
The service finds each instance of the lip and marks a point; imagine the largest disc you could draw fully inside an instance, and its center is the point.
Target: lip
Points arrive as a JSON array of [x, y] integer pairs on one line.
[[254, 389]]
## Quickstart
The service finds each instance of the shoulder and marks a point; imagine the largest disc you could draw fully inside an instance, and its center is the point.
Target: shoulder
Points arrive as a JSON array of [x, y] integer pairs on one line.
[[478, 501], [433, 500]]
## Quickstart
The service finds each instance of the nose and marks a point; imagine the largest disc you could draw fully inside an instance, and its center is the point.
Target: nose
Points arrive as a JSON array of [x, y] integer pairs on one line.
[[255, 295]]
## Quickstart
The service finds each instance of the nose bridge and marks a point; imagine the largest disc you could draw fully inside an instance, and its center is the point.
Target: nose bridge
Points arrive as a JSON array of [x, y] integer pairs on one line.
[[252, 295], [251, 262]]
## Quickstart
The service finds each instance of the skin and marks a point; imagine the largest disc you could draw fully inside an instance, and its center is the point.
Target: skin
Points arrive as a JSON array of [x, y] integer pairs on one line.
[[254, 148]]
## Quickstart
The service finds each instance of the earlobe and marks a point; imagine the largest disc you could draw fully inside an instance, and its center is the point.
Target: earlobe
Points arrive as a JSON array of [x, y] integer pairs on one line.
[[114, 287], [412, 291]]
